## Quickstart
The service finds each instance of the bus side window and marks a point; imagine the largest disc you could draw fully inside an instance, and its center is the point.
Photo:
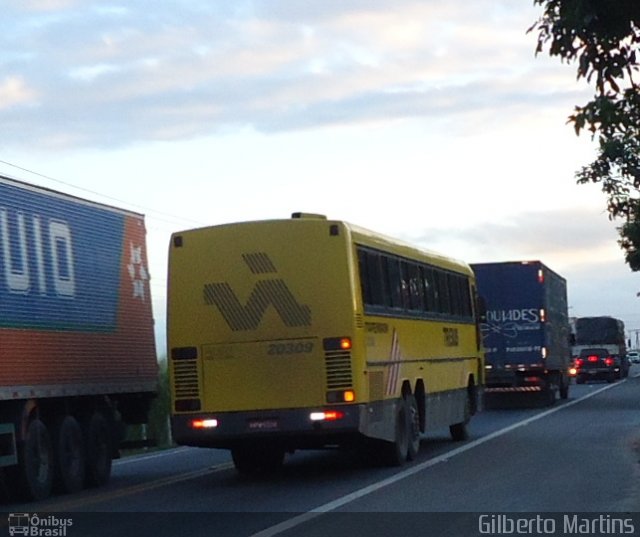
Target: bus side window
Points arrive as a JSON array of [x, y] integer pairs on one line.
[[378, 288], [365, 277], [442, 296], [461, 292], [405, 288], [430, 290], [395, 281], [466, 299], [416, 288]]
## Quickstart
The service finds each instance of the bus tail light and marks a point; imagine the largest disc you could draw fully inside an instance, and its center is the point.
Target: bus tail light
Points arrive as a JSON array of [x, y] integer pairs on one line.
[[204, 423], [337, 344], [341, 396], [327, 415]]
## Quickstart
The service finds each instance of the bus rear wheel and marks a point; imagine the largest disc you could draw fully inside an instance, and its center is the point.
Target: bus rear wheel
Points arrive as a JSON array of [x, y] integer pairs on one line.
[[413, 426]]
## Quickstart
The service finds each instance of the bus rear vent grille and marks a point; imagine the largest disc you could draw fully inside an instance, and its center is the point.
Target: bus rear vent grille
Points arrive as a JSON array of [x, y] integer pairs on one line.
[[185, 378], [338, 366]]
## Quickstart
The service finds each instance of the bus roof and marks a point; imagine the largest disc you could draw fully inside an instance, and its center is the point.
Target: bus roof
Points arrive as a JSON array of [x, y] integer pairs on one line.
[[365, 237]]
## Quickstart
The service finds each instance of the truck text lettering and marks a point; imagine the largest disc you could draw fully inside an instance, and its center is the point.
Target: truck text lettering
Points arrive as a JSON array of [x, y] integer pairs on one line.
[[30, 245], [525, 315]]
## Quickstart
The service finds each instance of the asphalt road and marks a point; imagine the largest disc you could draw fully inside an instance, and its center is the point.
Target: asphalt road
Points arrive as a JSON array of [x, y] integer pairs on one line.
[[579, 456]]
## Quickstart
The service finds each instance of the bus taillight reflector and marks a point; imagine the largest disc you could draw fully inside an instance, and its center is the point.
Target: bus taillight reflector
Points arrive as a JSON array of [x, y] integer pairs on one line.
[[204, 424], [327, 415]]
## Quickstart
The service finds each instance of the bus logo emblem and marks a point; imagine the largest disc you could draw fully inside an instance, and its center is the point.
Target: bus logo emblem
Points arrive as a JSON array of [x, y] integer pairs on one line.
[[265, 293]]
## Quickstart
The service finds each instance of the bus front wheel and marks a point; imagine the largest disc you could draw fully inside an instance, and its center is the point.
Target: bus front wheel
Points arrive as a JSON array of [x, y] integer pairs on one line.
[[395, 453]]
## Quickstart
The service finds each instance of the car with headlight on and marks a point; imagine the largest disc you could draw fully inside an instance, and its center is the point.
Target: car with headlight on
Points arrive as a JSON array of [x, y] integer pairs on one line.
[[595, 364]]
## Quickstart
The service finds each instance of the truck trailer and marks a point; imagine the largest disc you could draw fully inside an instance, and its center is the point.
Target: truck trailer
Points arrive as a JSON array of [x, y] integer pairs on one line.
[[77, 351], [526, 333]]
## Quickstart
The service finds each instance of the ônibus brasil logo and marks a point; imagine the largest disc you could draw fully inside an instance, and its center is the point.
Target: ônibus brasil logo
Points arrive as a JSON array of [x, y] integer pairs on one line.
[[34, 525]]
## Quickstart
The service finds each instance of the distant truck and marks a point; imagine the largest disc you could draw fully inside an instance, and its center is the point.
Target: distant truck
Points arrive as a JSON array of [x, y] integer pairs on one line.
[[526, 332], [77, 352], [602, 333]]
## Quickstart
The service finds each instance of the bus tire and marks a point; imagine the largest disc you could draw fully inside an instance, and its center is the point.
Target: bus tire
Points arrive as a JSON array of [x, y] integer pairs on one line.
[[395, 453], [98, 450], [459, 431], [34, 477], [413, 426], [70, 455], [253, 460]]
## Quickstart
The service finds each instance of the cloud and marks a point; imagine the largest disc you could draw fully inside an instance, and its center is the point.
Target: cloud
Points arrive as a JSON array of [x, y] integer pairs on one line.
[[43, 5], [117, 76], [14, 91], [563, 238]]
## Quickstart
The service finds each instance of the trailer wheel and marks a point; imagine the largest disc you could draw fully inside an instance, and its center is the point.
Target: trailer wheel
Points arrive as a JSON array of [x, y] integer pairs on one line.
[[98, 442], [35, 463], [70, 455]]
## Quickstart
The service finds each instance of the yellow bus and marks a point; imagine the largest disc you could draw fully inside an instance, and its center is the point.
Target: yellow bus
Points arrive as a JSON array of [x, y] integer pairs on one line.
[[310, 333]]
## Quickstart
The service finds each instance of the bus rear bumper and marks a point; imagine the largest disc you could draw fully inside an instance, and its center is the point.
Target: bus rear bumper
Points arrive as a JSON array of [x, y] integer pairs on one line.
[[294, 428]]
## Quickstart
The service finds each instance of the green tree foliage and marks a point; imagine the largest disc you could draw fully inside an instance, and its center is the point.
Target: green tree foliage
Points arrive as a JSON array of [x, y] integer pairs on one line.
[[159, 415], [602, 37]]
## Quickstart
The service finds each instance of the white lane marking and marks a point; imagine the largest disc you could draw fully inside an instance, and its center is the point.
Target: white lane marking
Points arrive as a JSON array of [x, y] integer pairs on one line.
[[339, 502], [146, 457]]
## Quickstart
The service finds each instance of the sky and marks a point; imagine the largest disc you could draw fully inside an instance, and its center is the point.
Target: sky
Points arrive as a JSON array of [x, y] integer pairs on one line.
[[430, 121]]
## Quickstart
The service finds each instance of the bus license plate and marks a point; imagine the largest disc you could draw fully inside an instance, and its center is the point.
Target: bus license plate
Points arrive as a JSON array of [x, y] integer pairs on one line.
[[263, 425]]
